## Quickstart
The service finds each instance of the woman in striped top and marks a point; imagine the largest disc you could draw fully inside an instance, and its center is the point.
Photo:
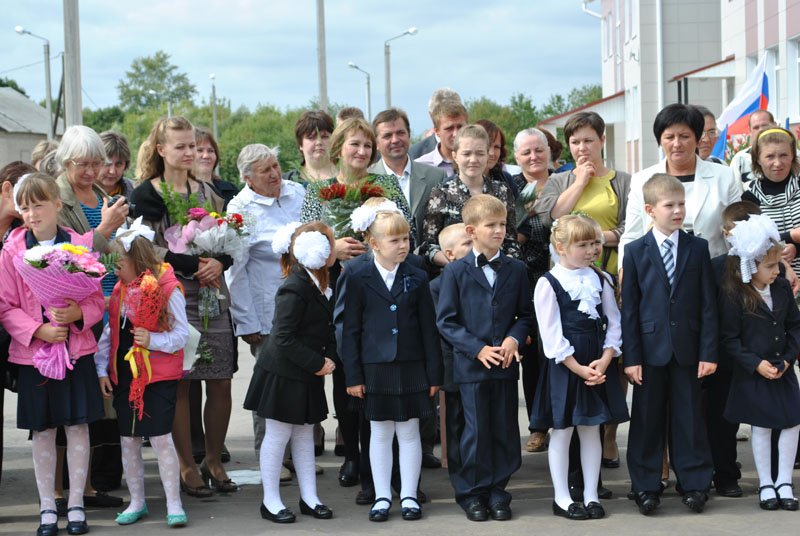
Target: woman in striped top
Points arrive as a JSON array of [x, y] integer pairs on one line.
[[774, 155]]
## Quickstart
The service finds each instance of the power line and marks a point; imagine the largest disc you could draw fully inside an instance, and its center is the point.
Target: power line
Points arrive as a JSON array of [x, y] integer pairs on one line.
[[88, 97], [29, 64]]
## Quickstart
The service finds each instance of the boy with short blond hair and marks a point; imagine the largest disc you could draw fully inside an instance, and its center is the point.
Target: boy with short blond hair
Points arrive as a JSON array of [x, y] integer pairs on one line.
[[485, 313]]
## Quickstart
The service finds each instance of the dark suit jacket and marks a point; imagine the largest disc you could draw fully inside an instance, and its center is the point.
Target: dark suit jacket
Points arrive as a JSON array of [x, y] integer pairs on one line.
[[423, 147], [471, 315], [447, 348], [659, 322], [375, 325], [302, 334], [423, 179]]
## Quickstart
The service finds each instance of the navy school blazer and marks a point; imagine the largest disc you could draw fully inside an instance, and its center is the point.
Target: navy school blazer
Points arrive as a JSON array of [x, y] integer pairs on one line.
[[658, 321], [375, 325], [471, 314]]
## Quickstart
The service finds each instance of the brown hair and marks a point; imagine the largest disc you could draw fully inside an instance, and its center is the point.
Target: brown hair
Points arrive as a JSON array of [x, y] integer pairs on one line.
[[37, 187], [144, 257], [481, 207], [150, 164], [556, 147], [41, 149], [116, 144], [660, 184], [311, 122], [473, 131], [205, 134], [344, 129], [388, 115], [288, 260], [739, 291], [493, 130], [738, 211], [12, 171], [584, 119], [770, 136], [448, 108], [349, 112]]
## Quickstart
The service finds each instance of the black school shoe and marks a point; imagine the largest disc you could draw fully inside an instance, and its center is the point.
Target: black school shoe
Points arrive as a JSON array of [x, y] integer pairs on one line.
[[411, 513], [284, 516], [786, 504], [476, 511], [647, 501], [500, 512], [380, 515], [574, 511], [365, 497], [348, 473], [47, 529], [729, 490], [695, 500], [595, 510], [77, 527]]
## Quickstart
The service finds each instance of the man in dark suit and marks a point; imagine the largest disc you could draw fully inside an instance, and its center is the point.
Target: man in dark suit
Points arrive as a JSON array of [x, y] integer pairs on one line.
[[485, 312], [669, 325], [416, 180], [430, 142]]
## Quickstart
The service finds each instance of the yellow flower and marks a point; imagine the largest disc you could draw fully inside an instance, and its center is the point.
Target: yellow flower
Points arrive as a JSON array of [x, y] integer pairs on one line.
[[75, 250], [215, 215]]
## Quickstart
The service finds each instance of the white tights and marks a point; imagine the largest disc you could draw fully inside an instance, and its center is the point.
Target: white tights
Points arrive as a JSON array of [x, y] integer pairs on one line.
[[277, 435], [380, 459], [168, 469], [761, 439], [44, 468], [558, 456]]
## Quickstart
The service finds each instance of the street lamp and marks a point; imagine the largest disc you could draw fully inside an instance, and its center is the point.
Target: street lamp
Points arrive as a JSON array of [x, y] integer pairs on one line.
[[369, 97], [386, 54], [212, 76], [48, 98]]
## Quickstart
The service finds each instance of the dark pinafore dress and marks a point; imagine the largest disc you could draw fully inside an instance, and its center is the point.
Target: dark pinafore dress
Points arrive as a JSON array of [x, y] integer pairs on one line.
[[562, 398]]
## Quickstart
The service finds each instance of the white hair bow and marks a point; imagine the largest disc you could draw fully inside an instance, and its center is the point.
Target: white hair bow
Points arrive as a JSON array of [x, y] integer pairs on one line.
[[312, 249], [362, 217], [282, 238], [16, 191], [137, 228], [750, 240]]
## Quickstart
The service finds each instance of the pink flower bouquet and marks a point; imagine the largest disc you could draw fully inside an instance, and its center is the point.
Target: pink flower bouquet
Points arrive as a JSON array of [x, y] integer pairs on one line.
[[55, 273]]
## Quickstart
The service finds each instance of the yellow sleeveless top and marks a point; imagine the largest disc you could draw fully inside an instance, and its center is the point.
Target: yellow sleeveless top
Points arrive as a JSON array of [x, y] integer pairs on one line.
[[599, 201]]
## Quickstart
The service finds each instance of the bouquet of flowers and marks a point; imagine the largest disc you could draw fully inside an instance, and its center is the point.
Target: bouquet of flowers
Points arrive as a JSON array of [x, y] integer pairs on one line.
[[142, 301], [340, 200], [55, 273], [527, 197]]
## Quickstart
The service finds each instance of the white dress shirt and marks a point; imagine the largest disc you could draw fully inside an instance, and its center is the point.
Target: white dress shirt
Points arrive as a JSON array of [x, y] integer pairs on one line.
[[435, 159], [490, 274], [386, 275], [582, 285], [404, 180], [660, 237], [328, 292]]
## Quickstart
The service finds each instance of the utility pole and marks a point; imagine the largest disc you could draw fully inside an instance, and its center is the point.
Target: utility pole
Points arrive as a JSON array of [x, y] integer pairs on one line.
[[323, 75], [73, 107]]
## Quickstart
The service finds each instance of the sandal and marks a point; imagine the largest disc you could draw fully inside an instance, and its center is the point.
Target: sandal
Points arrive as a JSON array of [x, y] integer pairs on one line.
[[222, 486]]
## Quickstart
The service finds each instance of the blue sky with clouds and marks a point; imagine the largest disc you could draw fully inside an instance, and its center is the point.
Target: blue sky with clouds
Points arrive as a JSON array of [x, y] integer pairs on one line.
[[264, 52]]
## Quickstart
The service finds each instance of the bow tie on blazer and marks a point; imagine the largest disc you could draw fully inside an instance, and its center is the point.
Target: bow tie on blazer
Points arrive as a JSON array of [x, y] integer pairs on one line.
[[495, 264], [477, 273]]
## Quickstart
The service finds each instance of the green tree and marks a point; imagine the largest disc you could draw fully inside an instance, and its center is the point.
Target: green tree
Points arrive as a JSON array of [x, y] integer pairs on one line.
[[151, 81], [9, 82], [109, 118]]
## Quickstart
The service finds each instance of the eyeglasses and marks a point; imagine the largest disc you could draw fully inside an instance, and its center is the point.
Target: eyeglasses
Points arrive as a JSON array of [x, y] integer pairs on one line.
[[711, 133], [83, 166]]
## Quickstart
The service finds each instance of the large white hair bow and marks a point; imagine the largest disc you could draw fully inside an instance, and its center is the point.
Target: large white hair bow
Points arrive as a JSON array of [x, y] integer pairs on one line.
[[750, 240], [16, 191], [362, 217], [312, 249], [137, 228], [282, 238]]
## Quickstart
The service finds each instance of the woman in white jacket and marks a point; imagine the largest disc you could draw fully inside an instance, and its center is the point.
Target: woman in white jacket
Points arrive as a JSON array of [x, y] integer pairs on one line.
[[709, 187]]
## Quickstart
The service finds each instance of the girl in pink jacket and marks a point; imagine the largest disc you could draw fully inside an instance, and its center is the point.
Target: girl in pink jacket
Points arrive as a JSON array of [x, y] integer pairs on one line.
[[44, 404]]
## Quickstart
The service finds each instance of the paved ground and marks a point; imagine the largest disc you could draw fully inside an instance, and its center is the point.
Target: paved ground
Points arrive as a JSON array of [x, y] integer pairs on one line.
[[237, 513]]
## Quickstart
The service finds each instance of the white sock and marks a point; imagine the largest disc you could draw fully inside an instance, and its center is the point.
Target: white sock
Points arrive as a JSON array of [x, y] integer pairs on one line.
[[380, 459], [276, 437], [558, 457], [78, 455], [787, 449], [761, 440], [304, 466], [410, 460], [169, 469], [591, 453], [133, 465], [44, 469]]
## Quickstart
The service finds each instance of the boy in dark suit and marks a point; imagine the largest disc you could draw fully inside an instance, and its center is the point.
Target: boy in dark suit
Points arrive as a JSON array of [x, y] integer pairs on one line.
[[669, 329], [485, 312]]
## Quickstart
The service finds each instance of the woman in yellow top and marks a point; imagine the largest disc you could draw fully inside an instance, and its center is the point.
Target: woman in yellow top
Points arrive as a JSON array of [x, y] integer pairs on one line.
[[591, 187]]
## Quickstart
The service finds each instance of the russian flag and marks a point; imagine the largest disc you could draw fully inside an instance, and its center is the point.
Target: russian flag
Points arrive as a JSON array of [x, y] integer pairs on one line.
[[753, 96]]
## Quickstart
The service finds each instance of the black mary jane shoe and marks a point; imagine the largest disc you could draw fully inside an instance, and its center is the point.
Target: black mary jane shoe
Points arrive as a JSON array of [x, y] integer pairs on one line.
[[411, 513], [284, 516], [575, 511], [476, 511], [348, 473], [77, 527], [47, 529], [500, 512], [380, 514], [320, 511], [768, 504], [786, 504], [595, 510]]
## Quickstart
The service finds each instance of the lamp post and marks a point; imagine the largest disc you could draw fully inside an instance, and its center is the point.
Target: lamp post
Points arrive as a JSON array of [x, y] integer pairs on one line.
[[213, 104], [369, 96], [48, 97], [386, 56]]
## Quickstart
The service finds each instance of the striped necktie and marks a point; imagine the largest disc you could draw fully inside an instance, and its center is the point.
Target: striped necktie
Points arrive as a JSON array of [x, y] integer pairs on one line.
[[669, 259]]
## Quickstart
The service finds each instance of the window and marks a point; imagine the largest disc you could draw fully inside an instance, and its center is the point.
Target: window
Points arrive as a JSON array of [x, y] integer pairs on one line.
[[774, 75], [603, 38], [632, 18], [793, 78]]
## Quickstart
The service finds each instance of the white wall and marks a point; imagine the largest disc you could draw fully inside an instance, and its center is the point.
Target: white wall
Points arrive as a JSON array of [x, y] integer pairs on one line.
[[17, 146]]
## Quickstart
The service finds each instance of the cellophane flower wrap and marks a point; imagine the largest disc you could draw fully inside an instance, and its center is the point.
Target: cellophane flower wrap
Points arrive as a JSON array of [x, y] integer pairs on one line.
[[527, 197], [55, 273], [142, 301], [340, 200]]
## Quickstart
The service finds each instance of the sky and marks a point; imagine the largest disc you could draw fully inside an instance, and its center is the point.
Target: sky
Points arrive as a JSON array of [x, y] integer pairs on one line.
[[265, 51]]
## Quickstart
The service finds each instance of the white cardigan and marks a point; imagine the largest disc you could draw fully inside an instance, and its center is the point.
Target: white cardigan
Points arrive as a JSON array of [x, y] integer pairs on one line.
[[715, 187]]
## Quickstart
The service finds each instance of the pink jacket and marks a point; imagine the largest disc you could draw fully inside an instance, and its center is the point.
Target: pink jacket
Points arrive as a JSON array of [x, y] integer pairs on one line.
[[21, 312]]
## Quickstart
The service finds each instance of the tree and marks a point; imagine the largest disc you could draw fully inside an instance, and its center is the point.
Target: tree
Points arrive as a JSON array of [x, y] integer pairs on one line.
[[8, 82], [151, 81], [109, 118]]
